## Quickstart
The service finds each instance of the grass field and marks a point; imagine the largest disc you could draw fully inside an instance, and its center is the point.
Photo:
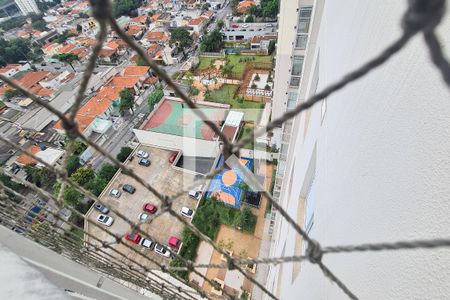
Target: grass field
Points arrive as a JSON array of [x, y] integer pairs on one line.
[[238, 67], [225, 95]]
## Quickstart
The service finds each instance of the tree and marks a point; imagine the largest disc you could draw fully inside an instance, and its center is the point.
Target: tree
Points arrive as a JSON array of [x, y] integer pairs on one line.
[[181, 38], [11, 94], [124, 153], [246, 220], [271, 47], [97, 185], [155, 97], [227, 69], [78, 147], [125, 7], [270, 8], [73, 163], [62, 38], [79, 28], [220, 24], [19, 49], [42, 177], [71, 196], [68, 58], [250, 19], [83, 175], [212, 42], [39, 25], [126, 101], [107, 171]]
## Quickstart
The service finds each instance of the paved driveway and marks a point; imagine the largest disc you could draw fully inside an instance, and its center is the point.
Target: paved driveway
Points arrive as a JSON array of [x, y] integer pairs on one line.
[[165, 179]]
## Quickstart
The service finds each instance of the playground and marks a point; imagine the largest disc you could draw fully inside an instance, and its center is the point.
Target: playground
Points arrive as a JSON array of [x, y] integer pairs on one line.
[[225, 186], [175, 118]]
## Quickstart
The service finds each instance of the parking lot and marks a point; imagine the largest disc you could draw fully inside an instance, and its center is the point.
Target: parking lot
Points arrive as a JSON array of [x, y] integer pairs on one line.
[[165, 179]]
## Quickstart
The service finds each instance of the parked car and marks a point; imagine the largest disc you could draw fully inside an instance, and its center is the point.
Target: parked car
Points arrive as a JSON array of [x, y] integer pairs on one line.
[[105, 220], [115, 193], [142, 154], [175, 243], [187, 212], [147, 243], [129, 188], [244, 25], [235, 26], [161, 250], [195, 194], [133, 237], [269, 25], [148, 207], [144, 162], [172, 156], [143, 216], [101, 208]]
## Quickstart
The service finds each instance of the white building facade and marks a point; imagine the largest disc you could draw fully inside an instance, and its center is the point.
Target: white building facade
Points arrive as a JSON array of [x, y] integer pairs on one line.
[[370, 163], [27, 6]]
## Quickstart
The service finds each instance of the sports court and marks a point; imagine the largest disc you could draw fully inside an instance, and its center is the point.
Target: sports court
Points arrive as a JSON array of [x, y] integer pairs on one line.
[[225, 186], [175, 118]]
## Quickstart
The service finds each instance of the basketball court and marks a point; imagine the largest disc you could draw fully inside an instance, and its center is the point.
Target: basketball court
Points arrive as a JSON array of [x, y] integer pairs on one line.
[[225, 186], [175, 118]]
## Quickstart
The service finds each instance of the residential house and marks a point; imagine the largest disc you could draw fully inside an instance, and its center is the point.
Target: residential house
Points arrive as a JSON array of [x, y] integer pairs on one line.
[[245, 5], [136, 31], [155, 37], [49, 155], [10, 70], [140, 20], [94, 116], [132, 83], [261, 42], [31, 81], [198, 24]]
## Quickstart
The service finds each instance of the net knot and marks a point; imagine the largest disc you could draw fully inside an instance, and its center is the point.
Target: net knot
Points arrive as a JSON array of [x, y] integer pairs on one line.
[[314, 252], [423, 15]]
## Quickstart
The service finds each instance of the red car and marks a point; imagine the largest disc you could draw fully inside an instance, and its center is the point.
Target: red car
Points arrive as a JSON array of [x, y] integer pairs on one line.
[[172, 156], [133, 237], [175, 243], [150, 208]]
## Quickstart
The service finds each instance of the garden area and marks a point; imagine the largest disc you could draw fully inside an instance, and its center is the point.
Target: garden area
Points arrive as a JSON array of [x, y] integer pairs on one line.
[[208, 218], [237, 63], [226, 94]]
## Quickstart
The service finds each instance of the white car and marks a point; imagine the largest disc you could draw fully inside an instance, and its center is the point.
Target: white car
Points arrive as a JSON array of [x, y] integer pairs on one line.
[[105, 220], [161, 250], [146, 243], [143, 217], [187, 212], [115, 193], [142, 154], [195, 194], [268, 25], [244, 25]]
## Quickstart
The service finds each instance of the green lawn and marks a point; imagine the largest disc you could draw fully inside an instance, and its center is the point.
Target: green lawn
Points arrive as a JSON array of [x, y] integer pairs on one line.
[[225, 96], [238, 66]]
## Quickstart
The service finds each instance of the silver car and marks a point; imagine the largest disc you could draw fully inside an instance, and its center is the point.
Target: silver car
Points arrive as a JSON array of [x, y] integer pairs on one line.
[[105, 220], [115, 193]]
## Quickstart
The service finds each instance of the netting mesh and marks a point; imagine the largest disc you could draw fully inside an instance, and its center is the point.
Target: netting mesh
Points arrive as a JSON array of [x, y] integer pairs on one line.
[[421, 17]]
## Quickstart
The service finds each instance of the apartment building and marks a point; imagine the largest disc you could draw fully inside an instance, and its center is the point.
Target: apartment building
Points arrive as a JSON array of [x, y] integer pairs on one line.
[[27, 6], [368, 164]]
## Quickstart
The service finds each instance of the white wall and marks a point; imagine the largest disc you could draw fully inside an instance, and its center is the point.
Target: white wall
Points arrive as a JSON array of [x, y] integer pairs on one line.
[[383, 163], [189, 146]]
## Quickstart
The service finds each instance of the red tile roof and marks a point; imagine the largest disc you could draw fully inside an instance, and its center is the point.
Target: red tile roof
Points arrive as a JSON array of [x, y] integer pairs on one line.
[[136, 71]]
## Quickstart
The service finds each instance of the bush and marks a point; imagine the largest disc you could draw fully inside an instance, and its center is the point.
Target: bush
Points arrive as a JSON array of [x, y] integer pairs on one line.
[[124, 153], [194, 91], [257, 78], [155, 97], [107, 171], [73, 163], [254, 86]]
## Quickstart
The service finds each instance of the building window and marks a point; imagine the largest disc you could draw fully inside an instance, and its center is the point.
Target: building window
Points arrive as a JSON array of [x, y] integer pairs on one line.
[[295, 81], [304, 21], [297, 65], [292, 100], [301, 41]]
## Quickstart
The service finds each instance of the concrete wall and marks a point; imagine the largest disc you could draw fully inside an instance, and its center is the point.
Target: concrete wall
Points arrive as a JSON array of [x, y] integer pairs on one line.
[[189, 146], [382, 162]]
